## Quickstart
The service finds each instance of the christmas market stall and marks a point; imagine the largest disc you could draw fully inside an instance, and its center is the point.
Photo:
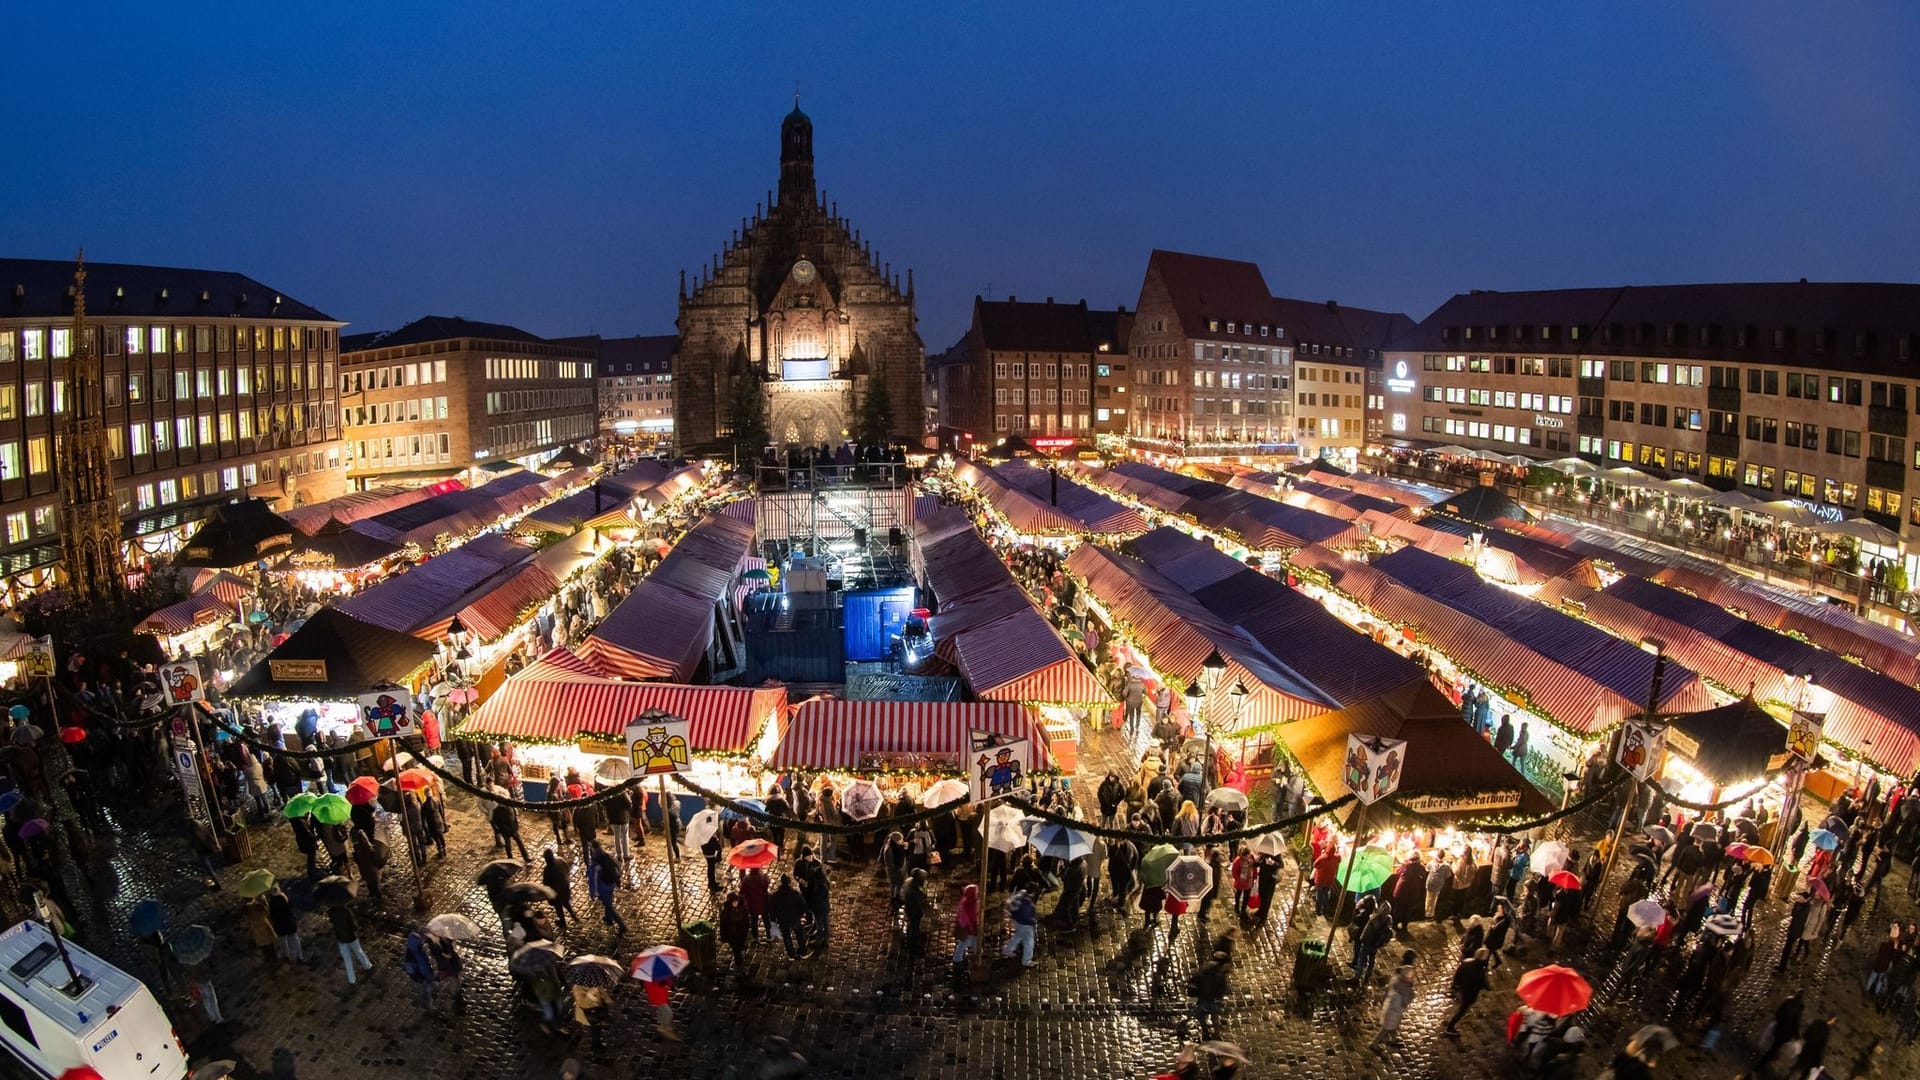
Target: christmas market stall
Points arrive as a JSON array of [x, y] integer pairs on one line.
[[194, 623], [562, 712], [325, 666], [917, 738], [238, 533], [681, 620], [423, 600], [1725, 751], [1038, 504], [360, 505]]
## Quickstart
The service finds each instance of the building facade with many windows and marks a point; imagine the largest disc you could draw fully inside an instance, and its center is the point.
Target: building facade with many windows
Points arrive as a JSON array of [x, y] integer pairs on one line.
[[1800, 390], [1029, 368], [1222, 366], [636, 386], [215, 386], [447, 397]]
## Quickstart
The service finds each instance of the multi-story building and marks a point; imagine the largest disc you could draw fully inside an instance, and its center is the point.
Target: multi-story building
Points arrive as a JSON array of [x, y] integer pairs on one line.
[[1222, 367], [1800, 390], [636, 387], [1024, 368], [214, 384], [1111, 332], [445, 397]]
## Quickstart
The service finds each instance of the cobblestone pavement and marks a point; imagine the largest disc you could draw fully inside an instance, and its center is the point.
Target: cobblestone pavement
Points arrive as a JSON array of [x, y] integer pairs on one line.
[[1089, 1009]]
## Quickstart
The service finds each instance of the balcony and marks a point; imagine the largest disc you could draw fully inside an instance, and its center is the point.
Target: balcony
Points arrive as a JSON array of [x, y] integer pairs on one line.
[[1891, 475], [1882, 420], [1723, 398], [1723, 445]]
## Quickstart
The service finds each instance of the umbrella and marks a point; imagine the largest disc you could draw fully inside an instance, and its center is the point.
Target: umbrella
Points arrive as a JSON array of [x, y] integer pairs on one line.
[[1652, 1037], [753, 854], [364, 789], [147, 918], [757, 575], [1549, 857], [193, 944], [1220, 1048], [535, 957], [1820, 890], [257, 617], [26, 735], [214, 1070], [1723, 925], [1366, 869], [415, 779], [1566, 879], [659, 962], [82, 1072], [463, 695], [862, 800], [1003, 830], [1738, 850], [1189, 878], [1271, 843], [300, 805], [500, 871], [702, 827], [1824, 839], [1153, 865], [613, 770], [71, 735], [254, 883], [334, 890], [33, 828], [453, 927], [526, 892], [9, 800], [1746, 830], [728, 813], [19, 712], [1060, 842], [1758, 856], [592, 970], [1231, 798], [332, 809], [943, 792], [1661, 833], [1836, 825], [1554, 990], [1705, 830], [1700, 893], [1646, 914]]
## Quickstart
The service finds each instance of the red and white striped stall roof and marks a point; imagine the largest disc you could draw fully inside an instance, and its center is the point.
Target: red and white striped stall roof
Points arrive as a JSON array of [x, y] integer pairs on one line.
[[549, 701], [833, 733], [1020, 658], [498, 611], [657, 632], [196, 610]]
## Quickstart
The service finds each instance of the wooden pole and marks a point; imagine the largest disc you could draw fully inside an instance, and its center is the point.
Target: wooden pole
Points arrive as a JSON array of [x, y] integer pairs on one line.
[[1340, 904], [1633, 789], [673, 870]]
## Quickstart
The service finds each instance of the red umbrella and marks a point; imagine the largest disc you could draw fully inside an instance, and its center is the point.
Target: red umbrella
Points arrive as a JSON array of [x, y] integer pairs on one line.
[[1554, 990], [364, 789], [463, 695], [415, 779], [753, 854], [71, 735], [82, 1072], [1566, 879]]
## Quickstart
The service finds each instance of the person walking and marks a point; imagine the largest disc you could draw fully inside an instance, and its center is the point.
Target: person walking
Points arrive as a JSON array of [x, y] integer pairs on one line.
[[1372, 937], [754, 890], [603, 877], [1209, 986], [367, 858], [915, 903], [557, 874], [1111, 794], [260, 926], [811, 874], [1469, 982], [1393, 1009], [286, 925], [346, 933], [1813, 1047], [658, 997], [1785, 1028], [619, 814], [420, 968], [1025, 915], [734, 929], [787, 910], [506, 830], [966, 925]]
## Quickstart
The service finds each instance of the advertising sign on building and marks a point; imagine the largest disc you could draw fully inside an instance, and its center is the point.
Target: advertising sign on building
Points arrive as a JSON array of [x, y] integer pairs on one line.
[[1374, 766]]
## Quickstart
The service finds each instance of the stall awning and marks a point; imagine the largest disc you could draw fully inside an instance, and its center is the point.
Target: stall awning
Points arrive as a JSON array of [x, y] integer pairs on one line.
[[216, 595], [657, 632], [557, 698], [498, 611], [333, 657], [238, 533], [833, 733], [1020, 658], [1733, 744]]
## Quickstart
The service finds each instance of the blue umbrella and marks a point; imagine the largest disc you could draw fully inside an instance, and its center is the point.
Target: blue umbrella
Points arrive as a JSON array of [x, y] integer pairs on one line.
[[1058, 841], [148, 918], [19, 712], [193, 944], [9, 800], [1824, 840], [728, 813]]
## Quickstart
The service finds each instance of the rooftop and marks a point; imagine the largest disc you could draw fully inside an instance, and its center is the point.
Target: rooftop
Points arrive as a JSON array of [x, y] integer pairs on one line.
[[43, 288], [436, 328]]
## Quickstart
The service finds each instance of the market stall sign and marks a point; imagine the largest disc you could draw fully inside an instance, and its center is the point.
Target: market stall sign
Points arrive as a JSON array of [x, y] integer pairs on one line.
[[916, 761], [657, 744], [601, 745], [1477, 802], [1373, 767], [997, 765], [1052, 442], [1804, 731], [1640, 748], [180, 684], [298, 670], [38, 663], [387, 713], [1688, 746]]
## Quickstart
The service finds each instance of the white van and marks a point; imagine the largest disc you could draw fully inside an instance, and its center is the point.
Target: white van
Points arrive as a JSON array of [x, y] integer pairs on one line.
[[108, 1019]]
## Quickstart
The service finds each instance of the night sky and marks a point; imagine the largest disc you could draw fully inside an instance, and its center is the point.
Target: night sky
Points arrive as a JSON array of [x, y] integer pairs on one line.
[[557, 169]]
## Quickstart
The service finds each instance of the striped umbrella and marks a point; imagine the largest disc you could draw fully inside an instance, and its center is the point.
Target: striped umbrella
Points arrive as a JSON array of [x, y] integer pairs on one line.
[[659, 962]]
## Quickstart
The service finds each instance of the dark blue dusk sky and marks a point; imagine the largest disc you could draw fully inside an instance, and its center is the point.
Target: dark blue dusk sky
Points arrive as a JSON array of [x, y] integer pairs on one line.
[[556, 165]]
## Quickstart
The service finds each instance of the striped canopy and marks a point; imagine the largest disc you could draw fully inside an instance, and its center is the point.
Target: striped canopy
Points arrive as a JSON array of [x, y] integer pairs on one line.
[[833, 733], [563, 695]]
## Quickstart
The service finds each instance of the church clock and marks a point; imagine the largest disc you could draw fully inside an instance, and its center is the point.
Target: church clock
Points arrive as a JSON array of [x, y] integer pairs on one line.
[[803, 272]]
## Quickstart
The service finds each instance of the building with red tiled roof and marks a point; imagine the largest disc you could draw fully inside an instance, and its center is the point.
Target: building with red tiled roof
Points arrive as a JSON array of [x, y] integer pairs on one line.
[[1026, 368], [1222, 367]]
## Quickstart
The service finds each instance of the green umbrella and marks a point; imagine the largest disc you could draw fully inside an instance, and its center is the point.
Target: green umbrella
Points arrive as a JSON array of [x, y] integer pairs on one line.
[[1366, 868], [1153, 865], [300, 805], [255, 883], [757, 575], [332, 809]]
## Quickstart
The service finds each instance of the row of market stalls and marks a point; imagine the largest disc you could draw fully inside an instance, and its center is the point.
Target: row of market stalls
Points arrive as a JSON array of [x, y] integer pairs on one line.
[[1538, 659], [1035, 503], [684, 617], [489, 584], [1261, 524]]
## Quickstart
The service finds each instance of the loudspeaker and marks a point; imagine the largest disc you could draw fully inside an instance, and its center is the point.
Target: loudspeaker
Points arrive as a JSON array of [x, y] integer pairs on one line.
[[860, 537], [895, 537]]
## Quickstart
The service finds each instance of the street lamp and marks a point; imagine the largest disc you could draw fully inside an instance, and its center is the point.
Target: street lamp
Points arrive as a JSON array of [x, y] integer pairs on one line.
[[1238, 693], [1212, 668], [1196, 701]]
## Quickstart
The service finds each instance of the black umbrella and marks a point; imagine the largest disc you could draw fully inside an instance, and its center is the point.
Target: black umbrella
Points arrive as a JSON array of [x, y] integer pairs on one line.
[[535, 958], [500, 871], [526, 892], [331, 891], [593, 970], [1746, 830]]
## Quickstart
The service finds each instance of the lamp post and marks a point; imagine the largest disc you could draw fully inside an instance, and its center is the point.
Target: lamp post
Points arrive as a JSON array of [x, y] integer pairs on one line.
[[1196, 700], [1238, 693], [1211, 669]]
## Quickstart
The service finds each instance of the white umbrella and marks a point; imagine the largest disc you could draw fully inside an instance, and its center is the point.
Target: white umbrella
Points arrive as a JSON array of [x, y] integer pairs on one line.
[[943, 792], [862, 800], [1788, 512], [1058, 841], [613, 770], [1271, 843], [1863, 530], [702, 827], [1549, 857], [1734, 500], [1189, 878], [1646, 914], [1231, 798], [1004, 828], [454, 927]]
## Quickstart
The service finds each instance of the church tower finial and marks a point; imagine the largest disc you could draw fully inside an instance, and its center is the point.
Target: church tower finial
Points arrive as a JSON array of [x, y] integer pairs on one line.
[[796, 157]]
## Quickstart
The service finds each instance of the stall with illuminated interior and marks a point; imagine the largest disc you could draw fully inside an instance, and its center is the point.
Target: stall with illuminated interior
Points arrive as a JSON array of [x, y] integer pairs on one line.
[[1726, 752], [911, 743], [193, 625], [324, 667], [564, 713]]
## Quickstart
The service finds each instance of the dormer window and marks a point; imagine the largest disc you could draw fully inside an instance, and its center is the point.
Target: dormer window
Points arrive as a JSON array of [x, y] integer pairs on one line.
[[1212, 325], [1230, 328]]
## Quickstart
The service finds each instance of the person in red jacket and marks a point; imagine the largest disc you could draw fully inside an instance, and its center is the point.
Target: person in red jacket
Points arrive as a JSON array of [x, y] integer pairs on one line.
[[1326, 881]]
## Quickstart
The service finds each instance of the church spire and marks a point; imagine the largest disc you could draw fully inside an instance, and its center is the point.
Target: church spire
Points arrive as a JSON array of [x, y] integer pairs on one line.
[[796, 157], [90, 515]]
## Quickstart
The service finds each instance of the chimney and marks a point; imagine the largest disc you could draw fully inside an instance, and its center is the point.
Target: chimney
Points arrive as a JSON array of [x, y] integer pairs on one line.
[[1333, 305], [1121, 310], [1011, 298], [1049, 301]]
